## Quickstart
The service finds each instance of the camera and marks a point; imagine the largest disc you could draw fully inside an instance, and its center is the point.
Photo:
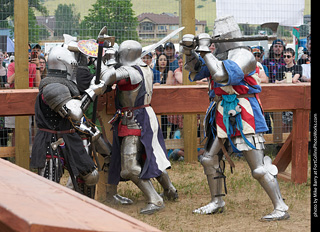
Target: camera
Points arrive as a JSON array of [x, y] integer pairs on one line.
[[33, 55]]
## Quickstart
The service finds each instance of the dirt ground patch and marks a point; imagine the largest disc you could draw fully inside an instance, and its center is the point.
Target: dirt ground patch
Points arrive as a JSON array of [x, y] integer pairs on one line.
[[246, 202]]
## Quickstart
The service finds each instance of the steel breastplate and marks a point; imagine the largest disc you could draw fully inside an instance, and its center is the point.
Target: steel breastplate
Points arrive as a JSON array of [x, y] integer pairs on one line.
[[128, 98]]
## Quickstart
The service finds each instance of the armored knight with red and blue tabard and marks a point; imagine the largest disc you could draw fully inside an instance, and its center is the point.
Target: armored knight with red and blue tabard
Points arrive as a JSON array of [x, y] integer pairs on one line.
[[234, 114]]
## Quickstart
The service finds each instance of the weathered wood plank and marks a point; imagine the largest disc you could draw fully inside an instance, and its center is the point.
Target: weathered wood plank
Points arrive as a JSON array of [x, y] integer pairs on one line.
[[17, 101], [30, 202], [282, 97], [300, 132], [283, 157], [172, 99]]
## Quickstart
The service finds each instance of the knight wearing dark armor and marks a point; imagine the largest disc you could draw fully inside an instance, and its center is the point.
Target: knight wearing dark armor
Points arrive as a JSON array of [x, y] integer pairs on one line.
[[64, 133], [234, 115]]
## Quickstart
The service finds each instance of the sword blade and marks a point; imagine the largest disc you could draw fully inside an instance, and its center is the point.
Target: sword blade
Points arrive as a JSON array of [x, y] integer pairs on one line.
[[165, 39]]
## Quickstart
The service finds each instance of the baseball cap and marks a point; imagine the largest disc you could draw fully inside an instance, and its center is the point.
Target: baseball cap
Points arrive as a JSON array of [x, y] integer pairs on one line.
[[255, 49], [169, 45], [159, 48], [33, 46], [148, 54], [278, 41]]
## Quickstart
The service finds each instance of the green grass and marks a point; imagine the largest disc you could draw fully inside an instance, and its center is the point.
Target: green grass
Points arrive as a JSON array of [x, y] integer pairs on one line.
[[246, 202]]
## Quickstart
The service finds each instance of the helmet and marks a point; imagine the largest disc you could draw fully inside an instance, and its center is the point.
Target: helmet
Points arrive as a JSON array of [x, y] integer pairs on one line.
[[129, 53], [61, 60], [226, 28]]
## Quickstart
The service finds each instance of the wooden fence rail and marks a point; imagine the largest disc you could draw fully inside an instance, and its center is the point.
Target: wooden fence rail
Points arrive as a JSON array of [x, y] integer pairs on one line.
[[192, 100]]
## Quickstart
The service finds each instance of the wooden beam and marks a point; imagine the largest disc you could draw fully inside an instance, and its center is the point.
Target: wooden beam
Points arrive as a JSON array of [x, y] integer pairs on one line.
[[187, 17], [187, 20], [284, 97], [187, 99], [300, 134], [283, 157], [17, 102], [7, 152], [21, 79], [32, 203], [21, 44]]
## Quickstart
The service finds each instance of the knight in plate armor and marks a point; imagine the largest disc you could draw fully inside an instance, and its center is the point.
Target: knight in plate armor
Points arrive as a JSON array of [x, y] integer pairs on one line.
[[138, 150], [234, 114], [64, 133]]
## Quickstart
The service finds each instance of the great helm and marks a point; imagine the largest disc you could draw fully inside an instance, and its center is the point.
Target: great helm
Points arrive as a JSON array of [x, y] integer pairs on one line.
[[226, 28], [129, 53], [61, 60]]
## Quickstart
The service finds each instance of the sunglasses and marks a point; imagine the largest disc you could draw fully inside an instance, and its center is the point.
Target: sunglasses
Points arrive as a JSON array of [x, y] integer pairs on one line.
[[257, 55], [287, 56]]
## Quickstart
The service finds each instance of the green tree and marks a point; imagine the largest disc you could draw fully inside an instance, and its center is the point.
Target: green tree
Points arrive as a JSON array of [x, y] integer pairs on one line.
[[6, 13], [67, 20], [117, 15], [6, 8], [33, 27]]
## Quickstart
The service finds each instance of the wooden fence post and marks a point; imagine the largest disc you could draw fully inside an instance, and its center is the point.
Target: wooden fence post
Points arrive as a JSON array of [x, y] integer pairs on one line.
[[187, 14], [21, 79]]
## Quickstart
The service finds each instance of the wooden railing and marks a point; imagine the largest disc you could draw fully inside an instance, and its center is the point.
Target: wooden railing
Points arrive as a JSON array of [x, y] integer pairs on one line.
[[193, 100], [30, 202]]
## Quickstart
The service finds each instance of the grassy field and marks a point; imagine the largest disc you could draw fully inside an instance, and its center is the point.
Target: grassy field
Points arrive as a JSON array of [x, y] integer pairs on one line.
[[246, 202]]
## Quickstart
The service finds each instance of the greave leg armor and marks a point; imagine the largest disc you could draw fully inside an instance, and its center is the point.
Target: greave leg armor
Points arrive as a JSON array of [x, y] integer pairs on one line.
[[266, 175], [169, 191], [131, 149], [113, 197], [51, 170], [155, 201], [86, 190], [211, 165]]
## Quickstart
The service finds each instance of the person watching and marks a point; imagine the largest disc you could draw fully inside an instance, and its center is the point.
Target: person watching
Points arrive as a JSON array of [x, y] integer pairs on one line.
[[34, 69], [275, 60], [170, 52], [296, 70]]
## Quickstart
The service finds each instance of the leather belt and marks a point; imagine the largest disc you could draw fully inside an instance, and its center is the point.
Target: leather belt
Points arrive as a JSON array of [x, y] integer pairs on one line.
[[134, 108], [246, 95], [58, 132], [219, 98]]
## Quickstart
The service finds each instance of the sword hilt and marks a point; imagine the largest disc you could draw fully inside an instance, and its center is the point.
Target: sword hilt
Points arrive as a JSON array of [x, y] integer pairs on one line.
[[55, 144]]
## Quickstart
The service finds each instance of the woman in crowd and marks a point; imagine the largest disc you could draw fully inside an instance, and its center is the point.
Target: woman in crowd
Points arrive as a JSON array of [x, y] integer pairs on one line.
[[43, 67], [162, 65], [177, 74]]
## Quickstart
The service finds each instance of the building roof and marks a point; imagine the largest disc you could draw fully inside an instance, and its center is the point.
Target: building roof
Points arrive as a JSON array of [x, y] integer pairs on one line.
[[48, 21], [164, 18]]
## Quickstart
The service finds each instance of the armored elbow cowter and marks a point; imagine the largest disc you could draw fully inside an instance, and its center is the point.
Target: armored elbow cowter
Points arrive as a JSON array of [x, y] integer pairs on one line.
[[108, 75], [111, 75], [59, 99], [241, 56]]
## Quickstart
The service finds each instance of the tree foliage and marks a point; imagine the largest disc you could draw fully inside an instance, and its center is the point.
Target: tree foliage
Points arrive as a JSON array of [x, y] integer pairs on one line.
[[117, 15], [6, 9], [67, 20]]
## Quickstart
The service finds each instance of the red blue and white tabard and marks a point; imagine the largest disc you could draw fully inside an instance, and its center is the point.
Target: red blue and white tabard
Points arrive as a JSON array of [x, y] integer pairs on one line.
[[252, 117]]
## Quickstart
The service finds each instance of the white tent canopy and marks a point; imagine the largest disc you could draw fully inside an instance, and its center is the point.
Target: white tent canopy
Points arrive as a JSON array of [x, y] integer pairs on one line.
[[285, 12]]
